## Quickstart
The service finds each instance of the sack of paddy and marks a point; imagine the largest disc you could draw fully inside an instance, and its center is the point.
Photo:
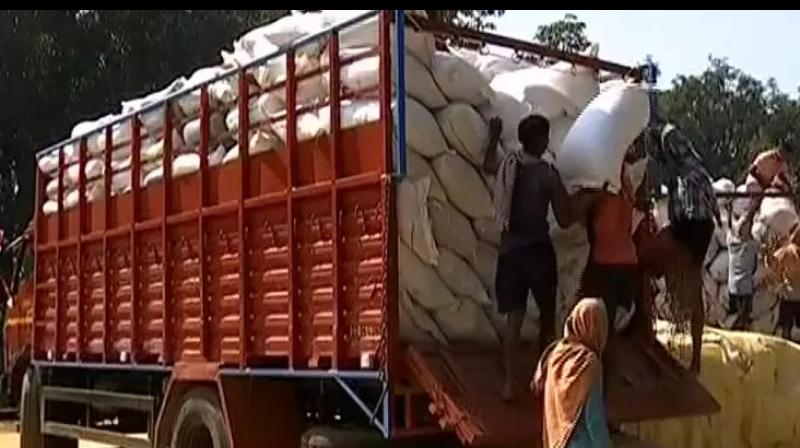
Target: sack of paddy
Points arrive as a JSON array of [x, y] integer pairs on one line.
[[416, 325], [460, 81], [464, 130], [363, 74], [466, 321], [422, 281], [510, 111], [451, 229], [553, 92], [559, 128], [776, 217], [413, 222], [463, 185], [484, 261], [460, 278], [487, 230], [423, 134], [595, 146], [417, 167], [490, 65]]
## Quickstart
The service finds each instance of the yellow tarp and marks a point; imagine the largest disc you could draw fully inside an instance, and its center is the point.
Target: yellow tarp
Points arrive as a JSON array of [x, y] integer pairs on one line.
[[756, 380]]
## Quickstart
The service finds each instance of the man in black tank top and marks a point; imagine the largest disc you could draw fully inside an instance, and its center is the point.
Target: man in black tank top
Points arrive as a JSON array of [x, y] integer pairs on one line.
[[525, 187]]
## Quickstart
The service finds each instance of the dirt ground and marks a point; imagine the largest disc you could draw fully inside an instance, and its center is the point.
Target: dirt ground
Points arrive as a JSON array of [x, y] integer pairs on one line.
[[9, 438]]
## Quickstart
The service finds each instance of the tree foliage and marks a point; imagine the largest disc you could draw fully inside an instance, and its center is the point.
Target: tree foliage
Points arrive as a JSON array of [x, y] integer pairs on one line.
[[479, 19], [567, 34], [730, 115]]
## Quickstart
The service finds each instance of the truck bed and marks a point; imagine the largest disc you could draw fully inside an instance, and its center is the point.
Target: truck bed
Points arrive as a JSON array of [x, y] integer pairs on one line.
[[464, 386]]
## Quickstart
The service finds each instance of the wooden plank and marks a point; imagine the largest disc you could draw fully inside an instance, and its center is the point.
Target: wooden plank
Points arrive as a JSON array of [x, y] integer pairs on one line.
[[141, 403], [95, 435]]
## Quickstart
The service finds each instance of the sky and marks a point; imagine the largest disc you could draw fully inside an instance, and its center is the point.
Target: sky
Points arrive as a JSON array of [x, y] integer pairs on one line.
[[761, 43]]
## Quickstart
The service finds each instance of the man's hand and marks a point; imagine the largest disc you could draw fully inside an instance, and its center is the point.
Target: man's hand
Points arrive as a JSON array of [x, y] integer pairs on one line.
[[495, 127]]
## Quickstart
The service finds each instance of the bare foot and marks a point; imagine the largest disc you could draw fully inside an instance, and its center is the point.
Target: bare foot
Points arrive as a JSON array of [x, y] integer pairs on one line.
[[509, 392]]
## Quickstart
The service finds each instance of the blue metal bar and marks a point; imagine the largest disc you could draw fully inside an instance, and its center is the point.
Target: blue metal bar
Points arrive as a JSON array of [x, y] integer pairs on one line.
[[96, 365], [400, 76], [363, 406], [186, 90]]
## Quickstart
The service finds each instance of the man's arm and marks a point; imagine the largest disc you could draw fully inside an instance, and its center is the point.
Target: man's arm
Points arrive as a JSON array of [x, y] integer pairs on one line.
[[562, 209], [745, 227], [491, 164]]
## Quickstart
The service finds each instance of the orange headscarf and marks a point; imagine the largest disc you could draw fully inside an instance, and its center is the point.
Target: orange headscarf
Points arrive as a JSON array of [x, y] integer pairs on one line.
[[569, 368]]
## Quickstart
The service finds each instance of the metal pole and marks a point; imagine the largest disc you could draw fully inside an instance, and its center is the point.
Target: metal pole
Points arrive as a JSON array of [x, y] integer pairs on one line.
[[400, 110]]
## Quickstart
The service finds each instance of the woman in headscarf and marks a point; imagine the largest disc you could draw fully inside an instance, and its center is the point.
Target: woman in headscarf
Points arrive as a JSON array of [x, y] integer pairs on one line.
[[570, 379]]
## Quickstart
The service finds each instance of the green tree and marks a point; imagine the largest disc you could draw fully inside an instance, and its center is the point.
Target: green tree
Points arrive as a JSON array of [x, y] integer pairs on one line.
[[730, 115], [479, 19], [567, 34]]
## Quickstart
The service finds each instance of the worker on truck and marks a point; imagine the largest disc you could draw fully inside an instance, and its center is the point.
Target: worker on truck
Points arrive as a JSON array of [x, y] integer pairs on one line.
[[742, 260], [682, 245], [770, 169], [525, 187]]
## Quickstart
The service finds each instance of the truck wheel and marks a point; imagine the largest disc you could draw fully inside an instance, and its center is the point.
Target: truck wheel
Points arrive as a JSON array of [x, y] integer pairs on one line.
[[200, 423], [332, 437], [30, 425]]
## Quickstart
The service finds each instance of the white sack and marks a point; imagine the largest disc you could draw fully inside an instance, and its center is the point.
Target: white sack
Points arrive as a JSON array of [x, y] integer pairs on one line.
[[459, 81], [464, 130], [484, 261], [419, 168], [466, 321], [422, 132], [416, 325], [463, 185], [413, 222], [422, 281], [510, 111], [595, 146], [451, 229], [460, 277]]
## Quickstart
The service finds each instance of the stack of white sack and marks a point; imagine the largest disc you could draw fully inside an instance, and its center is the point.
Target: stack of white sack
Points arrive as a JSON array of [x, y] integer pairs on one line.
[[449, 241], [773, 220]]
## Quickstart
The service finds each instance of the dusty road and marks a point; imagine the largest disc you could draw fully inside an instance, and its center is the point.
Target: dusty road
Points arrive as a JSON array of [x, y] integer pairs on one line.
[[10, 439]]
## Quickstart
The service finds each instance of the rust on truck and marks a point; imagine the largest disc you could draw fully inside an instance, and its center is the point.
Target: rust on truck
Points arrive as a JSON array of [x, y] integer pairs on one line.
[[282, 266]]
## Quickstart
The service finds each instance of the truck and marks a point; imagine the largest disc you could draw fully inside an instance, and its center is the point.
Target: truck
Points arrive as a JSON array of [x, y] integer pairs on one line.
[[255, 303]]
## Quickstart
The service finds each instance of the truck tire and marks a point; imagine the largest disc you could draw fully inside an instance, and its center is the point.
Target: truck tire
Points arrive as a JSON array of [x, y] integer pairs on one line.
[[200, 422], [333, 437], [30, 425]]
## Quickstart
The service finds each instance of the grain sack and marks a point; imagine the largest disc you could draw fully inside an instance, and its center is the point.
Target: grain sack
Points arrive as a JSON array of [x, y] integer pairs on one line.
[[460, 278], [365, 34], [364, 73], [151, 151], [723, 185], [753, 377], [463, 185], [417, 167], [553, 91], [510, 111], [416, 325], [451, 229], [152, 120], [261, 140], [595, 146], [422, 132], [487, 230], [352, 113], [558, 132], [484, 261], [465, 321], [92, 169], [50, 207], [464, 130], [216, 128], [764, 303], [777, 216], [308, 126], [459, 81], [422, 281], [414, 225], [490, 65]]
